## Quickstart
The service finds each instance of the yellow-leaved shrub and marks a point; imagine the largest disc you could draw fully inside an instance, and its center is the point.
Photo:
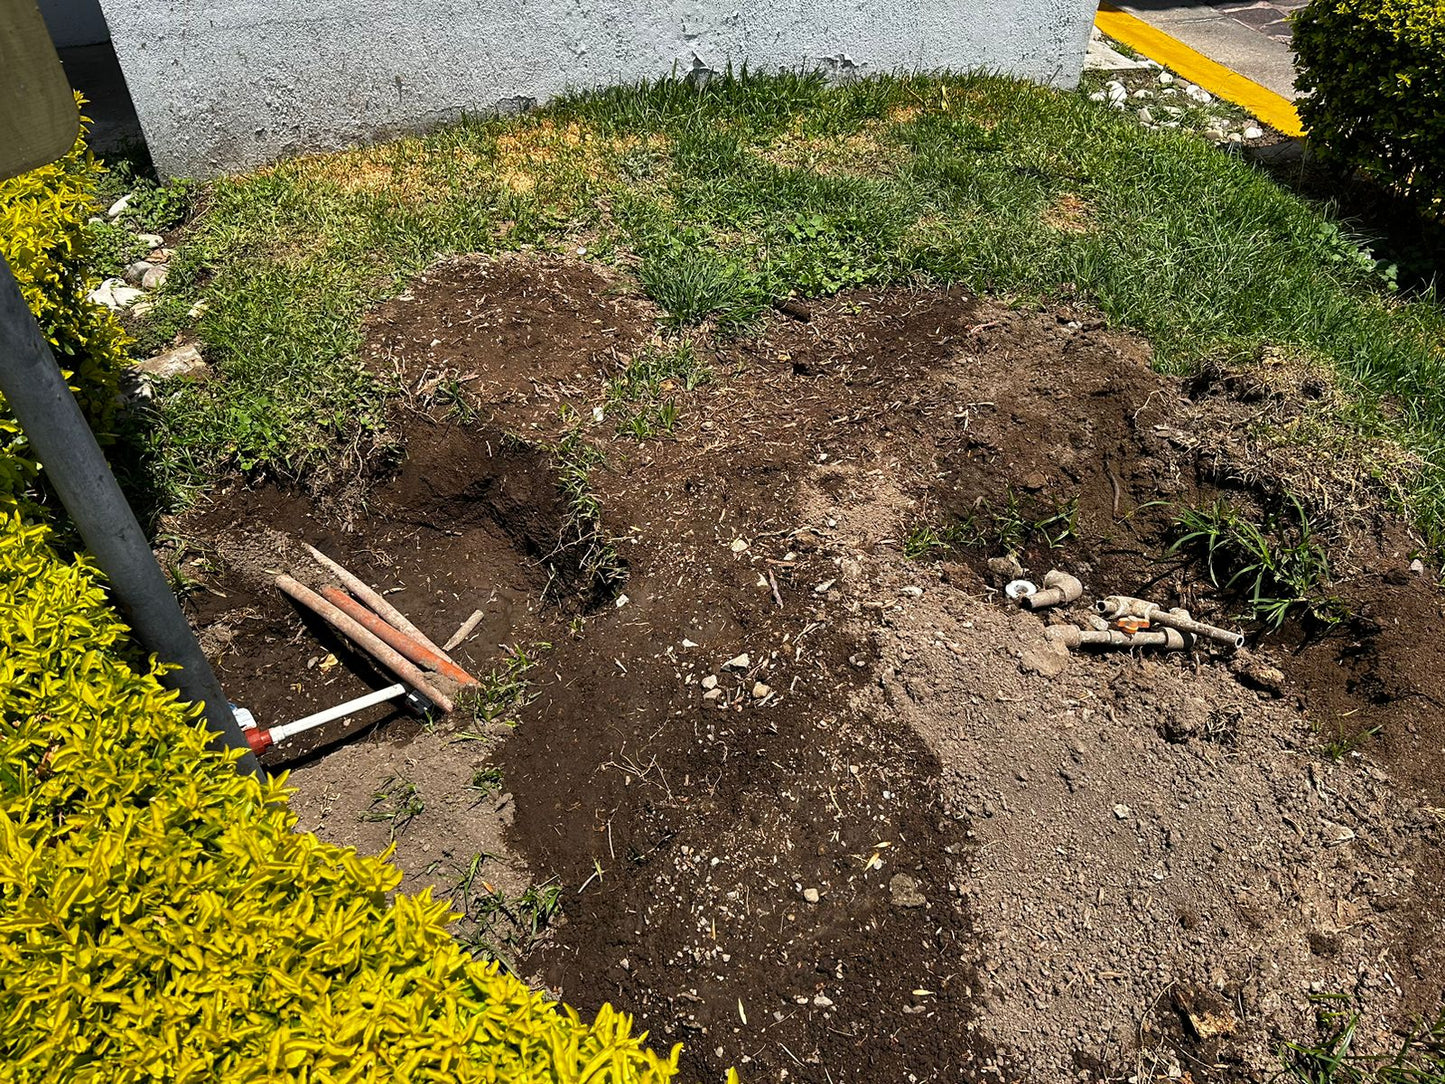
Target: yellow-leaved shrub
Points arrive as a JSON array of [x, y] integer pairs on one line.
[[43, 238], [160, 919]]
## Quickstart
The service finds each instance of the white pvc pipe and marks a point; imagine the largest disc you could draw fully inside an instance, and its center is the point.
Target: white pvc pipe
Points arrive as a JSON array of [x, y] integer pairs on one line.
[[340, 711]]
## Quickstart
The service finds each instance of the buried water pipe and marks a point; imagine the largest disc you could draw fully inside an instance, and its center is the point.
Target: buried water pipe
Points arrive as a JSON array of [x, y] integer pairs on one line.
[[365, 639], [1116, 606], [1167, 639], [261, 740], [374, 598], [407, 645]]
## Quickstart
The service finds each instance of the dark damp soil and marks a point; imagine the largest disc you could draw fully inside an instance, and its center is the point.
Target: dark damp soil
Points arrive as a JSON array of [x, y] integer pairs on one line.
[[817, 802]]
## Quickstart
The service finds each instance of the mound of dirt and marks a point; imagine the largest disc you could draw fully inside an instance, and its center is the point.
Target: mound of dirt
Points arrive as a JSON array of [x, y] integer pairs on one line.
[[827, 811]]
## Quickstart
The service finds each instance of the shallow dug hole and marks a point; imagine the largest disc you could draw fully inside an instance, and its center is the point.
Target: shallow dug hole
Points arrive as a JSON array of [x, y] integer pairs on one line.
[[813, 807]]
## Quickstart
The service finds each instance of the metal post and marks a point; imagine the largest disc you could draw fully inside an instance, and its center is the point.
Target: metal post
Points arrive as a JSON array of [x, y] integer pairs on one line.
[[31, 382]]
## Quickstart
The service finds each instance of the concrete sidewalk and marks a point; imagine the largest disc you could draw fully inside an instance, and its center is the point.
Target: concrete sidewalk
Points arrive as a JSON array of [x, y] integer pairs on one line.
[[1251, 38]]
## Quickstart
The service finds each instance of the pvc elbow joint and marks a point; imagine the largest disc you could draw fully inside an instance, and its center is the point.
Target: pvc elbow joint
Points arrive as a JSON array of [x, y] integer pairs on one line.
[[1059, 587]]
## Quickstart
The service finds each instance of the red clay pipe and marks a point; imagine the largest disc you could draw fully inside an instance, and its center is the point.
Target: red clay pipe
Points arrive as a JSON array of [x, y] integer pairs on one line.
[[373, 598], [408, 646], [1059, 587], [1128, 606], [367, 641]]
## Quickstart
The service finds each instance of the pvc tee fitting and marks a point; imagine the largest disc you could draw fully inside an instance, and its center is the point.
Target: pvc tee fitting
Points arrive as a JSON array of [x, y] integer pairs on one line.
[[1059, 587], [1115, 606]]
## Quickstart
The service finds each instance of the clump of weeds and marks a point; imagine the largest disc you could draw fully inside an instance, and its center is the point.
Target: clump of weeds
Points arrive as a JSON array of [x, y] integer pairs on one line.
[[504, 692], [504, 926], [1334, 1058], [396, 804], [1009, 527], [1277, 564], [601, 567], [644, 394]]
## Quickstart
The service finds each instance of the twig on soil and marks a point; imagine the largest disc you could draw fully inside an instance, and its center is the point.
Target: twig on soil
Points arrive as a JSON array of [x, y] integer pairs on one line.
[[596, 875], [773, 583], [464, 631]]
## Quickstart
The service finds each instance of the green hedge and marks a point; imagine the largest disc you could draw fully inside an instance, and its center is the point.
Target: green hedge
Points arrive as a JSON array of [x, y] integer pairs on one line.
[[1372, 73], [161, 920], [43, 239]]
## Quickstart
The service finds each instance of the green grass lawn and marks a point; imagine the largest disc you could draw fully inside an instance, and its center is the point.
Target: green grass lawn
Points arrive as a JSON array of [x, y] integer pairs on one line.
[[723, 199]]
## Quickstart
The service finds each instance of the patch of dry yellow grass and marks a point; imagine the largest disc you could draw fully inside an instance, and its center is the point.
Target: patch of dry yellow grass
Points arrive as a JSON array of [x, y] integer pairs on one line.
[[866, 153], [1069, 214], [523, 157]]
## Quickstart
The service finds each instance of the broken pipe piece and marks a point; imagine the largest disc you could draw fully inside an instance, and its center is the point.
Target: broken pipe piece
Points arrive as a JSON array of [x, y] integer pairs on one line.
[[1166, 639], [1115, 606], [1059, 587]]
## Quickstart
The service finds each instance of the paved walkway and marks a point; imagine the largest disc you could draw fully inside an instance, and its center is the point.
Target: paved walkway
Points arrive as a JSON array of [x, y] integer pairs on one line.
[[1269, 17], [1251, 38]]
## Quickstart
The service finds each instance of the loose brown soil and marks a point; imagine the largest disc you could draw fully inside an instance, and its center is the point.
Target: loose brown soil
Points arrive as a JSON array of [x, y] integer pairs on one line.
[[906, 839]]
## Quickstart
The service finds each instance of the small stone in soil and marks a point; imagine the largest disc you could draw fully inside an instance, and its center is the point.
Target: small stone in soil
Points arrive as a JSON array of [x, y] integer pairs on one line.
[[822, 1001], [738, 662], [178, 361], [811, 895], [1121, 811], [1254, 133], [710, 682], [904, 892], [761, 690]]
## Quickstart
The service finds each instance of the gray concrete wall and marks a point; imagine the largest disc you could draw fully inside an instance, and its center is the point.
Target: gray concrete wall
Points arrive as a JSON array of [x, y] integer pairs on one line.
[[226, 84], [74, 22]]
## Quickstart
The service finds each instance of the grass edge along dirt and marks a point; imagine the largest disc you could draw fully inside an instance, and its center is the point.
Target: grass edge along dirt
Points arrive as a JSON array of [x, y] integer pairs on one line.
[[781, 185], [1417, 1057]]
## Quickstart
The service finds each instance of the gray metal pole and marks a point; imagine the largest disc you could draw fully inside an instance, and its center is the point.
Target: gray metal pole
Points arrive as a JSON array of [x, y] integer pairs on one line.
[[31, 382]]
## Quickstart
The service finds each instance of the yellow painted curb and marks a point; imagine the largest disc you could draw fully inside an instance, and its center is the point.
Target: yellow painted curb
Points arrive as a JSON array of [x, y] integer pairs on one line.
[[1222, 82]]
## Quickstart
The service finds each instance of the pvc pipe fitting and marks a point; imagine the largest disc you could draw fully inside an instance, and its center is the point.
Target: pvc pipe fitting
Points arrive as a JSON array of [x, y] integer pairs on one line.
[[1059, 587], [1115, 606], [1166, 639], [261, 740]]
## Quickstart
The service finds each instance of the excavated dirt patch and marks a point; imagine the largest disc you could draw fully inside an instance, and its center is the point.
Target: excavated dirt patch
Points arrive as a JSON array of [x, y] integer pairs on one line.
[[905, 838]]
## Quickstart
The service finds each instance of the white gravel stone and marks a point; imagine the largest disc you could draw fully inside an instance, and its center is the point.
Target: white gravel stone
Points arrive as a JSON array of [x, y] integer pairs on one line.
[[115, 294], [178, 361], [1253, 133]]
